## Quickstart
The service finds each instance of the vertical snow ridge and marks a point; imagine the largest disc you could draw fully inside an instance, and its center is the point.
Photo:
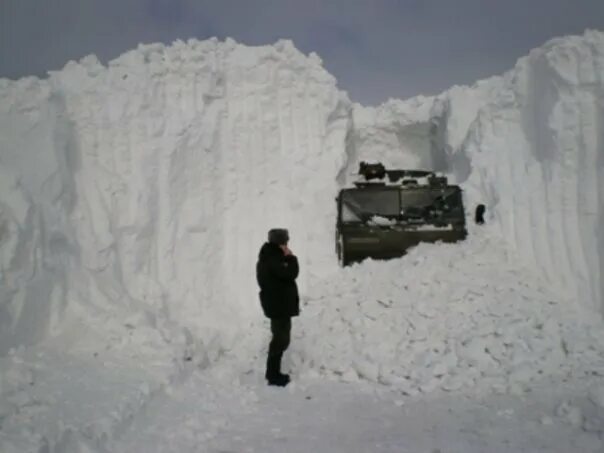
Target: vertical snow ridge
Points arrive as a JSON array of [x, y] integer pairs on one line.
[[35, 235], [533, 142], [183, 158]]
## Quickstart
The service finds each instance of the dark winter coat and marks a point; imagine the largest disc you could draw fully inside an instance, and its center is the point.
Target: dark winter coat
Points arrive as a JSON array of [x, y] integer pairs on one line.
[[276, 275]]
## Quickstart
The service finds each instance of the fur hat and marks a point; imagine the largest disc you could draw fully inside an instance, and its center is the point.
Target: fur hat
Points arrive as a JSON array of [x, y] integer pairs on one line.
[[279, 236]]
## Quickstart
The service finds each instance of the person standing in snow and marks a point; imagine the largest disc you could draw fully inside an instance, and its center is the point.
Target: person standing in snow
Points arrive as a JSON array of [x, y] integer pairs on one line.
[[276, 272]]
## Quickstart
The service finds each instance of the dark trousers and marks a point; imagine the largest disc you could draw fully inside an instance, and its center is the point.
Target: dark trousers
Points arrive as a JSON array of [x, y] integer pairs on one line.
[[281, 330]]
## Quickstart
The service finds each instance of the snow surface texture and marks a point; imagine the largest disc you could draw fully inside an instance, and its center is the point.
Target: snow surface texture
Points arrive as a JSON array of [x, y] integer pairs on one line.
[[529, 145], [134, 198], [55, 401], [355, 418], [446, 317], [150, 184]]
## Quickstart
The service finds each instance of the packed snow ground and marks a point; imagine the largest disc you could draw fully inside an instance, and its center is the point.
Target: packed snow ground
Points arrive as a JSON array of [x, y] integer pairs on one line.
[[328, 417], [85, 383]]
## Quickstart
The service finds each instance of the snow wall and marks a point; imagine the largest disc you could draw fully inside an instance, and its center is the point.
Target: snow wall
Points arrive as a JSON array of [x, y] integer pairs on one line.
[[529, 145], [148, 185]]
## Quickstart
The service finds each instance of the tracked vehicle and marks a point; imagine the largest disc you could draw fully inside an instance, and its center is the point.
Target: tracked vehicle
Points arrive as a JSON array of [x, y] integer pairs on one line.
[[389, 211]]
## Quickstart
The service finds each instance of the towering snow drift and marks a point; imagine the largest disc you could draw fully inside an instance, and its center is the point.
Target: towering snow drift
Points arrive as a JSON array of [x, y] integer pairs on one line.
[[530, 145], [537, 156], [146, 187], [151, 183]]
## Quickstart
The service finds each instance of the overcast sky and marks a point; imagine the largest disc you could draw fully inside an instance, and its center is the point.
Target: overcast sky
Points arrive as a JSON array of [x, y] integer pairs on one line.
[[376, 48]]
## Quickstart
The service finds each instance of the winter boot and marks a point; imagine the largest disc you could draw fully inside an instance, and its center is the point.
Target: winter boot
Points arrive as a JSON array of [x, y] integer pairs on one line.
[[273, 372], [281, 380]]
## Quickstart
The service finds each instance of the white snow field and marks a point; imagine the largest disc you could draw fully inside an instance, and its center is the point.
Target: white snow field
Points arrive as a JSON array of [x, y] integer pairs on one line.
[[134, 198]]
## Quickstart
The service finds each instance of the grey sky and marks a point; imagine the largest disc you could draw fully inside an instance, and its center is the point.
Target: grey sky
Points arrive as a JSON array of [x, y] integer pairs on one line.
[[376, 48]]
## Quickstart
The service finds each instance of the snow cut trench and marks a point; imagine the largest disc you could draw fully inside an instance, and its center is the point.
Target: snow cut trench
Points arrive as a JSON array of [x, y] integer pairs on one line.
[[134, 197]]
